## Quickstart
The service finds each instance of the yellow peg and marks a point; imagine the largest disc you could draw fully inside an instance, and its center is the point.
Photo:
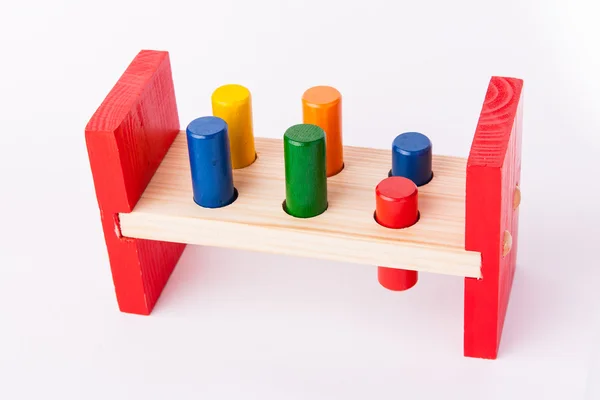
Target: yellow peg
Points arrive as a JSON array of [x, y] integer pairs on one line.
[[233, 103]]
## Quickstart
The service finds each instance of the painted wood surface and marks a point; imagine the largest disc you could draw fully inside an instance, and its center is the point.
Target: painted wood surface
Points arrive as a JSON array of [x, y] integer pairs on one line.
[[322, 106], [233, 104], [127, 138], [492, 214], [305, 171], [210, 162], [397, 207]]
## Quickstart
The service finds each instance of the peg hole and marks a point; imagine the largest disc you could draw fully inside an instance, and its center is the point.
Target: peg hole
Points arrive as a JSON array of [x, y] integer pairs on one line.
[[404, 227], [430, 179], [283, 205]]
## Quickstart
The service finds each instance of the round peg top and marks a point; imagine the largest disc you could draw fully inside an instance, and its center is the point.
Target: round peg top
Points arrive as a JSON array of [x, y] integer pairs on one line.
[[207, 128], [321, 96], [304, 135], [396, 202], [322, 106], [233, 103], [305, 171], [412, 157], [231, 93]]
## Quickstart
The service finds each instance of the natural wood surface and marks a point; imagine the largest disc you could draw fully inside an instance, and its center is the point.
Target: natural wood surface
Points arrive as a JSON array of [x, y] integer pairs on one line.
[[345, 232]]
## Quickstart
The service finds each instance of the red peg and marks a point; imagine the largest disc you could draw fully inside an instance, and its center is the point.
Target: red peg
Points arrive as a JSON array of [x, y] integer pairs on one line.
[[396, 207]]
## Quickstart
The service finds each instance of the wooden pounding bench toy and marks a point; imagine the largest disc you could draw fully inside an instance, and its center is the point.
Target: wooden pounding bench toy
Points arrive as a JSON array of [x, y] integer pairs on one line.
[[215, 183]]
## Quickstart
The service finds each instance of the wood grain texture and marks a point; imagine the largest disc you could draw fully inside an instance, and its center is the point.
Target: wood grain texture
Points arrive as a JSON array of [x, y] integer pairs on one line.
[[127, 138], [346, 232], [493, 174]]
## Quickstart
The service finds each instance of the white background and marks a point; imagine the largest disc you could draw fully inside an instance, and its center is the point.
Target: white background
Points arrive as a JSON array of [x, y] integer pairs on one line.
[[238, 325]]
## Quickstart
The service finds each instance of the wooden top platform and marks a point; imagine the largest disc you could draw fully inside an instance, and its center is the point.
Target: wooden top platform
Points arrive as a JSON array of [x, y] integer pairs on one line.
[[346, 232]]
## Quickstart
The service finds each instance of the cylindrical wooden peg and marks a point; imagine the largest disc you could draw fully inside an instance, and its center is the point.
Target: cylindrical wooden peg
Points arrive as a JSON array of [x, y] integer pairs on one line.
[[305, 171], [233, 103], [210, 162], [322, 106], [412, 157], [397, 206]]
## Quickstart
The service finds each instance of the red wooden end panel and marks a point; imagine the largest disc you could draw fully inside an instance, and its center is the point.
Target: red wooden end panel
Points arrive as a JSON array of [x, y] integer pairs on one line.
[[493, 173], [127, 138]]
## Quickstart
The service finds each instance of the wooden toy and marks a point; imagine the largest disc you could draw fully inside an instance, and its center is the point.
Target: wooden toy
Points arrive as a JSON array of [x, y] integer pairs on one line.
[[210, 162], [411, 159], [322, 106], [305, 187], [216, 184], [397, 207], [233, 103]]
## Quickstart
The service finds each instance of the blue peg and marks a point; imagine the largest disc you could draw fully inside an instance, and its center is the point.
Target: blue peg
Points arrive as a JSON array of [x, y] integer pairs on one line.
[[411, 157], [210, 162]]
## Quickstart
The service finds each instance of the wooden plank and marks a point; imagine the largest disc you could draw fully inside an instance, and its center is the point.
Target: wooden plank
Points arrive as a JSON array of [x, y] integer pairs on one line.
[[126, 138], [346, 232], [492, 214]]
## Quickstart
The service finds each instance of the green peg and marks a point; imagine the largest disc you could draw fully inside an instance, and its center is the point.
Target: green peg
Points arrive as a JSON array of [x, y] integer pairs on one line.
[[305, 171]]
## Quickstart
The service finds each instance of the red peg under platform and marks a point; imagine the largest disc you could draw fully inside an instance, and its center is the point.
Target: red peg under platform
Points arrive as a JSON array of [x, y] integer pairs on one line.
[[397, 206]]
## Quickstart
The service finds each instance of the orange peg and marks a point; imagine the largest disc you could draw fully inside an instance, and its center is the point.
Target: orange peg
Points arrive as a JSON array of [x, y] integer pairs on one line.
[[322, 106]]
